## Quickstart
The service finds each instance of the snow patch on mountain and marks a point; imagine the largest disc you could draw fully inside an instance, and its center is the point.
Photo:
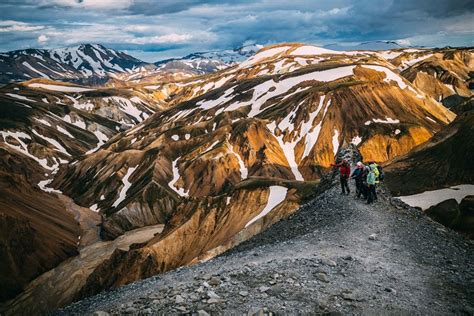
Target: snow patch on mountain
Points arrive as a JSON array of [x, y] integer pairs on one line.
[[60, 88], [175, 179], [126, 185], [276, 196], [19, 97], [427, 199]]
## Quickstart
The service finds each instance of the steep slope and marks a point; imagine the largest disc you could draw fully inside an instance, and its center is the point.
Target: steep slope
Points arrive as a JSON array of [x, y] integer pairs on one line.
[[44, 124], [87, 63], [445, 160], [447, 75], [53, 122], [36, 231], [438, 176], [223, 166], [336, 255]]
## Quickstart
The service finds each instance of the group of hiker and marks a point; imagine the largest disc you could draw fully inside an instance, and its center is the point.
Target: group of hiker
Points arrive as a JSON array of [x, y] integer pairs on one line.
[[366, 178]]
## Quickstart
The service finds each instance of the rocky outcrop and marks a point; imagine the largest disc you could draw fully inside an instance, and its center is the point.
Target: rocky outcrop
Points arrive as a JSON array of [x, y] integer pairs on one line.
[[458, 216], [444, 74]]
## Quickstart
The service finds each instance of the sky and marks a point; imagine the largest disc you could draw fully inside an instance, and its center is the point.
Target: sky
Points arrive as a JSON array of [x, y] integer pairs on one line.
[[155, 30]]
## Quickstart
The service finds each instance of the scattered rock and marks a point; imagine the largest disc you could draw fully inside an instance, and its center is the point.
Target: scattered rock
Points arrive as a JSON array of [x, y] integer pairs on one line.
[[202, 312], [348, 296], [214, 301], [214, 281], [373, 237], [322, 277], [130, 310], [243, 293], [212, 294], [328, 262], [179, 299], [390, 290], [181, 309], [263, 288], [100, 313]]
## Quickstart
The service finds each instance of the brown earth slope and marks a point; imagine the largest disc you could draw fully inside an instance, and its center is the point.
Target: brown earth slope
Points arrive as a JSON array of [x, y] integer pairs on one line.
[[443, 161], [36, 232]]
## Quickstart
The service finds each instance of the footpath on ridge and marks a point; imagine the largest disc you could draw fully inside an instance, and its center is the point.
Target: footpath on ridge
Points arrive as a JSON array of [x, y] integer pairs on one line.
[[336, 254]]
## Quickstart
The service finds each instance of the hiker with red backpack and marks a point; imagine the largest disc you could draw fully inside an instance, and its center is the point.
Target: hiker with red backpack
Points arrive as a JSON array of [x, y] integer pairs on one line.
[[345, 172]]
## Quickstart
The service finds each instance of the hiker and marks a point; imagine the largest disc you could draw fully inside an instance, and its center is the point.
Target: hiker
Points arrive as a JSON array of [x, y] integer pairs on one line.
[[381, 173], [371, 178], [365, 187], [357, 175], [345, 172], [376, 171]]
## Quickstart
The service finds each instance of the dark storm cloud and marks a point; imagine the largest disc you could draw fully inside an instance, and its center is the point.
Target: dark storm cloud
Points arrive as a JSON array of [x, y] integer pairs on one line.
[[176, 27]]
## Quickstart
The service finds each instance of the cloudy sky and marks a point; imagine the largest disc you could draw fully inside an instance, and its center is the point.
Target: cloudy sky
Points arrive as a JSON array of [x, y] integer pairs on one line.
[[154, 30]]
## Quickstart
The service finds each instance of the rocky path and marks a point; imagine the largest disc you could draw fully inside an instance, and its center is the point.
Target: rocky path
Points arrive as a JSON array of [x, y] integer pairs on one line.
[[336, 254]]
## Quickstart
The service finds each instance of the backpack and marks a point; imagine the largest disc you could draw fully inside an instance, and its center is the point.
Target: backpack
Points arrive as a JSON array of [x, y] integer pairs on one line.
[[376, 171], [381, 173]]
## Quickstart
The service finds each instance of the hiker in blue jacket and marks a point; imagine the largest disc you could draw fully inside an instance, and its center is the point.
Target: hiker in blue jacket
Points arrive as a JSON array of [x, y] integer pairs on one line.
[[358, 176]]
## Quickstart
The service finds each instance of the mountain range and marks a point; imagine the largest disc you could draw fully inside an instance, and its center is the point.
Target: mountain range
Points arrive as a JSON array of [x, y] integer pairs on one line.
[[95, 64], [143, 168]]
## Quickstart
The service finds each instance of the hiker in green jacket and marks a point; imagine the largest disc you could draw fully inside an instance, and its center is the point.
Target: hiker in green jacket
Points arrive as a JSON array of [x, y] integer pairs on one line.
[[371, 180], [375, 169]]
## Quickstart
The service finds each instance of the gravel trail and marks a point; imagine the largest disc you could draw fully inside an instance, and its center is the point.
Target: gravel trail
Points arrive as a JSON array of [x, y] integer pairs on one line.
[[336, 254]]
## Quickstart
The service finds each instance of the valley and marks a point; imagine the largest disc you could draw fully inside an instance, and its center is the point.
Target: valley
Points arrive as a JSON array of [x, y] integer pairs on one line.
[[115, 170]]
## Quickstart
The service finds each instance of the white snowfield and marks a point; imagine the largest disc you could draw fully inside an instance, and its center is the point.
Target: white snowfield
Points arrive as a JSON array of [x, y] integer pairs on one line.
[[23, 148], [79, 123], [262, 93], [406, 64], [102, 139], [289, 152], [53, 142], [64, 131], [335, 142], [59, 88], [243, 170], [127, 106], [19, 97], [126, 186], [26, 64], [387, 120], [176, 176], [276, 196], [430, 198], [313, 50], [388, 55], [306, 131], [389, 75], [356, 140], [262, 55], [42, 121], [43, 185]]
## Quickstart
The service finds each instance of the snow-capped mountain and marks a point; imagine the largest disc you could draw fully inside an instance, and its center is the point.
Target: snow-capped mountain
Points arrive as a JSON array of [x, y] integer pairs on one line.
[[96, 64], [176, 69], [206, 62], [84, 63]]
